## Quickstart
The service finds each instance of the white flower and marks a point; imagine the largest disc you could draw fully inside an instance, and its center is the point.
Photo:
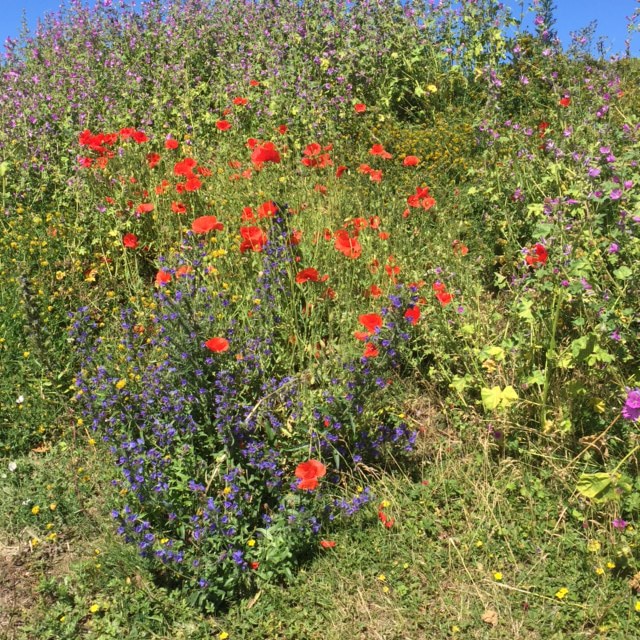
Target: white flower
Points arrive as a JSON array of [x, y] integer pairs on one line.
[[20, 400], [13, 466]]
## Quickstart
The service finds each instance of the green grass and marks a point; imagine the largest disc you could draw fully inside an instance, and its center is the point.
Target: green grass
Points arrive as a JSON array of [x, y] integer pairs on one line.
[[476, 535]]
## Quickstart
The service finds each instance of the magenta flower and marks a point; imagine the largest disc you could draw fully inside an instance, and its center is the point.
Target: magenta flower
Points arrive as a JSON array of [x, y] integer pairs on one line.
[[631, 409], [619, 523]]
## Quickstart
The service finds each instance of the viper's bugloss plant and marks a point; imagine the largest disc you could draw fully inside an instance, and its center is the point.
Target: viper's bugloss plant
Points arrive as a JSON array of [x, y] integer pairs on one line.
[[209, 433]]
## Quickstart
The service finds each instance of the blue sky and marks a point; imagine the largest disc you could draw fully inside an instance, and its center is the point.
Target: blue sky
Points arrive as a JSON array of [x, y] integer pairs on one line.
[[571, 15]]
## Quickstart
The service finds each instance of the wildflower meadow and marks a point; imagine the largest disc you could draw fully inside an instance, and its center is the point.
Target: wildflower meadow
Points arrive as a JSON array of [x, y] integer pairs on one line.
[[318, 320]]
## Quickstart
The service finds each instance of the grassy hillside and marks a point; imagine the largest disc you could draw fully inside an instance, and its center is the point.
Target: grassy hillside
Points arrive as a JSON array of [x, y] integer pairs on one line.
[[317, 319]]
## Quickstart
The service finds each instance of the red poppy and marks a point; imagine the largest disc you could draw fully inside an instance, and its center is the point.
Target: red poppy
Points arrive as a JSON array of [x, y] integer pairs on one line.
[[146, 207], [254, 565], [412, 315], [130, 241], [254, 83], [240, 102], [374, 291], [153, 159], [411, 161], [203, 171], [162, 187], [378, 150], [307, 274], [359, 107], [282, 129], [204, 224], [383, 235], [370, 321], [253, 238], [375, 175], [327, 544], [139, 137], [162, 278], [340, 170], [267, 209], [537, 255], [308, 472], [183, 270], [565, 102], [370, 351], [296, 237], [127, 132], [178, 207], [185, 167], [217, 345], [347, 245], [439, 286], [85, 163], [170, 143], [459, 248], [223, 125], [444, 298], [265, 152], [421, 198], [193, 184]]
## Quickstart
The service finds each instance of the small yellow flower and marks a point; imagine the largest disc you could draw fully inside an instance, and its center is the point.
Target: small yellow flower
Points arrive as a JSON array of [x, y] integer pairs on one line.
[[164, 540], [94, 608], [561, 593], [385, 504], [611, 565], [62, 618], [497, 576], [599, 571], [637, 606], [120, 384], [35, 510], [385, 589], [593, 546], [251, 543], [53, 506], [223, 636], [382, 577], [479, 543]]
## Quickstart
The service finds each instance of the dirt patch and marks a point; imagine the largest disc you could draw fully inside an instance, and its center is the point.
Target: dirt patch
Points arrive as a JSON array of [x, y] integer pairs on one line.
[[18, 582]]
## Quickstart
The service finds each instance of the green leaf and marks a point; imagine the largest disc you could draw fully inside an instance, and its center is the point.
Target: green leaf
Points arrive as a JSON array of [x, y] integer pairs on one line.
[[623, 273], [491, 397], [459, 384], [537, 377], [508, 396], [597, 486]]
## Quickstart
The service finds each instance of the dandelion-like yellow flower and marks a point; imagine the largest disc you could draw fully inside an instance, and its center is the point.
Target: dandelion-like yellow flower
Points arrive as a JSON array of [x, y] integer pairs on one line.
[[223, 636], [94, 608], [121, 383], [251, 543], [593, 546], [35, 510], [561, 593], [497, 576]]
